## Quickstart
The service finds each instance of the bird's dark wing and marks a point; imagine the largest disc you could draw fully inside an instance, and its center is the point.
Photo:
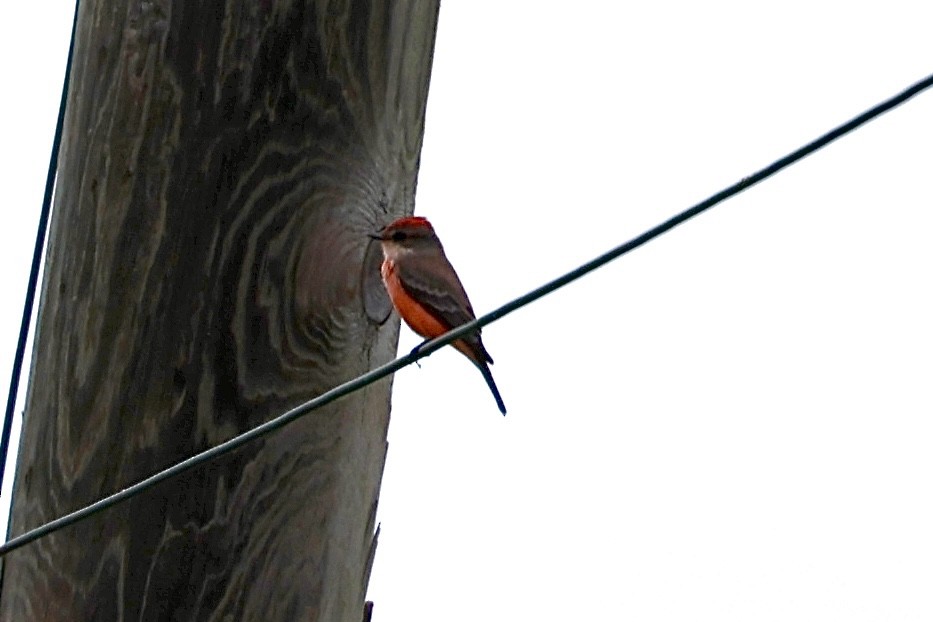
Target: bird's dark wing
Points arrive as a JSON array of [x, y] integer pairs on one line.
[[432, 281]]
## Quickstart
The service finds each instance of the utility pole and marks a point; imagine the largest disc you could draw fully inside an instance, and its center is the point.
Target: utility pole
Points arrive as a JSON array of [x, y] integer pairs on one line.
[[208, 268]]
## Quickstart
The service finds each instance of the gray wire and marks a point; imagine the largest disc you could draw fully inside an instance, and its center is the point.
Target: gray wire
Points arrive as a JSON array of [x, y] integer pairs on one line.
[[434, 344], [41, 232]]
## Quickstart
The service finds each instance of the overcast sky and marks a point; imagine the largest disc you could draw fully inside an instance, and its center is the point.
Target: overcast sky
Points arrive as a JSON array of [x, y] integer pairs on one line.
[[734, 422]]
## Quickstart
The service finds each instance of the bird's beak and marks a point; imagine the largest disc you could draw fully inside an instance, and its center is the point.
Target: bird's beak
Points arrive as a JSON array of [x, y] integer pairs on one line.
[[375, 236]]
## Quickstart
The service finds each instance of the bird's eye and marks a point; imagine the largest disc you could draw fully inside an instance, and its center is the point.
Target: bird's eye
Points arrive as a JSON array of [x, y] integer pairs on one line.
[[398, 236]]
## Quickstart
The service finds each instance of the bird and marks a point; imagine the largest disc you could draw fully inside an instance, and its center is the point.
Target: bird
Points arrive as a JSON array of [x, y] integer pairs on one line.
[[426, 291]]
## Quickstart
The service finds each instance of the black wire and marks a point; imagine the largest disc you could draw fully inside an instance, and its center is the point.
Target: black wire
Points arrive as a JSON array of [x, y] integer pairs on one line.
[[36, 260], [435, 344]]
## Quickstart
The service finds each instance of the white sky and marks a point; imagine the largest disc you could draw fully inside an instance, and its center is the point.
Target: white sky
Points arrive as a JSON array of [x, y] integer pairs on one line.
[[732, 423]]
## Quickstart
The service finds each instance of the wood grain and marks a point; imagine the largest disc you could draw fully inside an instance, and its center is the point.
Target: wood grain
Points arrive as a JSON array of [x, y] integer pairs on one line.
[[221, 166]]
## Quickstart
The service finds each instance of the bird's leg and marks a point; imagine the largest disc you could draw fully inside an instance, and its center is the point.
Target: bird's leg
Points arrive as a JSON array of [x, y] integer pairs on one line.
[[415, 350]]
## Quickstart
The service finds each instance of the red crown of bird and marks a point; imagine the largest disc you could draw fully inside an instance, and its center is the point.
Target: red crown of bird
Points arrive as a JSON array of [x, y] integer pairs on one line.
[[410, 221]]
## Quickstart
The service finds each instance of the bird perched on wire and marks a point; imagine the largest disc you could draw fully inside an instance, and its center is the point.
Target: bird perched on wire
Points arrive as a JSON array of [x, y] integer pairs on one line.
[[426, 291]]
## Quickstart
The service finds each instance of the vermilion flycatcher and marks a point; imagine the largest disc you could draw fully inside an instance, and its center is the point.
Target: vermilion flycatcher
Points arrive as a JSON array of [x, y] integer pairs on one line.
[[426, 291]]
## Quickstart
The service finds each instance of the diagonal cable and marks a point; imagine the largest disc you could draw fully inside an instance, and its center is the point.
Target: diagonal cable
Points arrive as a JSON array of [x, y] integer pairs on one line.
[[36, 260], [434, 344]]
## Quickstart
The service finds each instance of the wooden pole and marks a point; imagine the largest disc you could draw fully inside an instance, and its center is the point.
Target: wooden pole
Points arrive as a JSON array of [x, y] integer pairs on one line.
[[207, 269]]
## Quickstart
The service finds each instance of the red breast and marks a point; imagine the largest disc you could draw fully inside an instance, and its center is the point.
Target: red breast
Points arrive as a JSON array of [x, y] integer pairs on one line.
[[418, 318]]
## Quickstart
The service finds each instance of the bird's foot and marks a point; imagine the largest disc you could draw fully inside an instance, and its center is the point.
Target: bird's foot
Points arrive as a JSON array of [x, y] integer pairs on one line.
[[416, 349]]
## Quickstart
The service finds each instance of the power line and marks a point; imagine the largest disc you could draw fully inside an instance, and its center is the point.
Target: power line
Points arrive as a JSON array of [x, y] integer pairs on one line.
[[434, 344], [36, 260]]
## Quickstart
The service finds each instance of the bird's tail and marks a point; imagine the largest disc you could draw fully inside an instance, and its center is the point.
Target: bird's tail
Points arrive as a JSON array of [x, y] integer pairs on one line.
[[487, 375]]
